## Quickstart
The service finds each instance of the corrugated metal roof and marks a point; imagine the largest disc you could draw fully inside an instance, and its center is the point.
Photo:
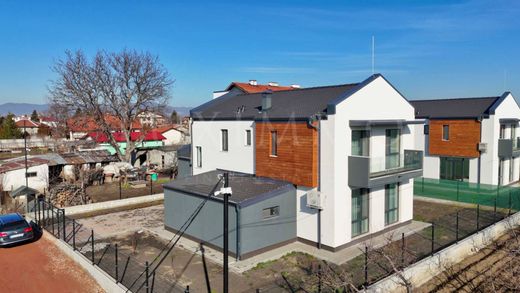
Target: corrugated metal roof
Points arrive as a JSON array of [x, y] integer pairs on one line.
[[19, 163]]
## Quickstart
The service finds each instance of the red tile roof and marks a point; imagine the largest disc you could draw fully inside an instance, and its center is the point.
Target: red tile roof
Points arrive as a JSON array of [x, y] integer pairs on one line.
[[164, 128], [28, 124], [89, 124], [251, 89], [48, 119], [100, 137]]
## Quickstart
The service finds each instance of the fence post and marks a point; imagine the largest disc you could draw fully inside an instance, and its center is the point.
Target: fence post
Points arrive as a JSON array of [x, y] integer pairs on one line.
[[146, 278], [43, 217], [495, 212], [92, 245], [478, 217], [457, 228], [117, 265], [59, 222], [64, 223], [509, 213], [52, 218], [422, 185], [366, 266], [151, 185], [34, 207], [402, 250], [458, 190], [120, 194], [433, 237], [73, 234]]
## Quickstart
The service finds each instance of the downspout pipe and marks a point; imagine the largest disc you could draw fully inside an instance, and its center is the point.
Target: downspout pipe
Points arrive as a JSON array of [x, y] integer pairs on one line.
[[317, 117], [237, 213]]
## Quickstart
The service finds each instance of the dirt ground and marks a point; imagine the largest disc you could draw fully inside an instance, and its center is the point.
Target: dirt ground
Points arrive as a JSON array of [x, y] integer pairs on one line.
[[110, 191], [41, 267]]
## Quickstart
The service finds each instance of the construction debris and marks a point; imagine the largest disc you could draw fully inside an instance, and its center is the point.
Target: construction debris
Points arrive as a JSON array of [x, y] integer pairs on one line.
[[67, 194]]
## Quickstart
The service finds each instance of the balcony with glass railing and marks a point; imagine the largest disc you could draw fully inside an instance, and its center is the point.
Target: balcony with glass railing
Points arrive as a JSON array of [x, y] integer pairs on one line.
[[508, 147], [368, 172]]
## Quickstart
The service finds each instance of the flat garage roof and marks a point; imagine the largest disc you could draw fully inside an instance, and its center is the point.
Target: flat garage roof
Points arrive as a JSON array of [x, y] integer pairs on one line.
[[246, 187]]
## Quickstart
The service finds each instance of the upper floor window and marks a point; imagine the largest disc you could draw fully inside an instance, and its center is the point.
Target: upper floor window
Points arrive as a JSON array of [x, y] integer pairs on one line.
[[224, 135], [274, 143], [393, 148], [360, 142], [502, 131], [248, 137], [445, 132], [199, 157], [426, 129]]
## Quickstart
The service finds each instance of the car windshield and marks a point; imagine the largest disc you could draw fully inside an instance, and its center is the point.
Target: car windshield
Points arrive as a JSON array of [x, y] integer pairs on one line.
[[13, 226]]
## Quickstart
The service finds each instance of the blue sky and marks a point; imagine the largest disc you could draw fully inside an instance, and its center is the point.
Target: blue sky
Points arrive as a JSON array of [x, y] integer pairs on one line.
[[427, 49]]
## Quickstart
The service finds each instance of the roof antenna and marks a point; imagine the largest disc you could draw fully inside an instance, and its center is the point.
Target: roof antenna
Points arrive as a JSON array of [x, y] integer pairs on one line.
[[373, 53]]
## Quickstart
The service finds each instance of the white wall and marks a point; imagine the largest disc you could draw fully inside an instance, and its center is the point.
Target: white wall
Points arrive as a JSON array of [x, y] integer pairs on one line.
[[376, 101], [239, 157], [307, 218], [173, 136], [14, 179]]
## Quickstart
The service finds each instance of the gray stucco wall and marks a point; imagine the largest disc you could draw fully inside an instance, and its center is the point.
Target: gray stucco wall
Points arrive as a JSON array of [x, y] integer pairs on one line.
[[183, 167], [207, 226], [256, 232]]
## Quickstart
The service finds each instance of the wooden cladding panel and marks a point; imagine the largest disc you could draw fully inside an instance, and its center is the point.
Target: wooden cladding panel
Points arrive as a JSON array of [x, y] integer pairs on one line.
[[297, 159], [463, 139]]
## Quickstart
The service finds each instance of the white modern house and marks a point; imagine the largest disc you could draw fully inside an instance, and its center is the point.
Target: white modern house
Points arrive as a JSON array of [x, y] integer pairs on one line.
[[349, 150], [470, 139]]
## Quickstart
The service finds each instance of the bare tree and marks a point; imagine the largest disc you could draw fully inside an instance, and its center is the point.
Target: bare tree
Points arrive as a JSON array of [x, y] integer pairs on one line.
[[120, 85]]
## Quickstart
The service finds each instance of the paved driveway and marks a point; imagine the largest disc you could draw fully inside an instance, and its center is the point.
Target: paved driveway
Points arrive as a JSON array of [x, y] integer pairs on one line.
[[41, 267]]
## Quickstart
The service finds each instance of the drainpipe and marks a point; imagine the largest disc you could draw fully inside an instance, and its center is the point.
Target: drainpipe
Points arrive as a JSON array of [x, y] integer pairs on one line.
[[479, 154], [237, 213], [312, 119]]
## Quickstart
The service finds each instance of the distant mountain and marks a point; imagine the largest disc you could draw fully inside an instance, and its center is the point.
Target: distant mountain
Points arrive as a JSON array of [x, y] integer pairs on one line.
[[27, 108], [21, 108]]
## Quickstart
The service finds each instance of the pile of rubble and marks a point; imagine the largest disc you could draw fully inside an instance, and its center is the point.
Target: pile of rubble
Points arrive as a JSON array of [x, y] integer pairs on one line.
[[67, 194]]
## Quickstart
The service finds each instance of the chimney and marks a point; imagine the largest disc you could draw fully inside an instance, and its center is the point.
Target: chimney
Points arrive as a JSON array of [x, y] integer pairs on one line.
[[273, 83], [295, 86], [266, 100], [253, 82]]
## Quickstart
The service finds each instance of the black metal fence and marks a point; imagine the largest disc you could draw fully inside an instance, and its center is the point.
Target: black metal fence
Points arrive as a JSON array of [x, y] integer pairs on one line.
[[111, 257]]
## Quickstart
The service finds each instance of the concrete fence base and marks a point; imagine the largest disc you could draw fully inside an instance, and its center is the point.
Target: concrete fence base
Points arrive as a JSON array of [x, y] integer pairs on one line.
[[113, 205], [423, 271]]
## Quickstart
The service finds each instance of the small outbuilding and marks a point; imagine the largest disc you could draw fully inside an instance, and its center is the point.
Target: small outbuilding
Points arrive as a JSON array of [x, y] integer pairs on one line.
[[184, 161], [262, 212]]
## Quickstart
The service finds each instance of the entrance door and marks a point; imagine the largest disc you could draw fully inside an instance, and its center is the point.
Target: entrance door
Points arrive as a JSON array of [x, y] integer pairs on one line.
[[454, 168]]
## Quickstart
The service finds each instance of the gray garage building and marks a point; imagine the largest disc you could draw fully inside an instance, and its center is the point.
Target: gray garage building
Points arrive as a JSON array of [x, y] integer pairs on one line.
[[262, 212]]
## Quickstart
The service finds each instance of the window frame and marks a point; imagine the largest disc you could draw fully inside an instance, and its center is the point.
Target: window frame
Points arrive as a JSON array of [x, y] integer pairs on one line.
[[445, 132], [273, 146], [387, 201], [364, 197], [364, 138], [270, 210], [249, 140], [224, 140], [31, 174], [199, 156]]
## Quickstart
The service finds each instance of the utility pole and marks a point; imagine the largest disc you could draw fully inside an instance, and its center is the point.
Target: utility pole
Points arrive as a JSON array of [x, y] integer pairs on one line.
[[226, 192], [25, 146]]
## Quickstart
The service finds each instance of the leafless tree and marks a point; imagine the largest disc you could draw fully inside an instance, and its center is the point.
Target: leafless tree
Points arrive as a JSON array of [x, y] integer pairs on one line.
[[121, 85]]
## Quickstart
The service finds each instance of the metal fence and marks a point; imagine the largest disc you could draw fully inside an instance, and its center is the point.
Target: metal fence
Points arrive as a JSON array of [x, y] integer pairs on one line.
[[109, 256]]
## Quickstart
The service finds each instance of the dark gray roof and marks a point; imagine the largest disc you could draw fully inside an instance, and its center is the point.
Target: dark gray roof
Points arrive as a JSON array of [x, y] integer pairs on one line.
[[455, 108], [289, 104], [245, 187]]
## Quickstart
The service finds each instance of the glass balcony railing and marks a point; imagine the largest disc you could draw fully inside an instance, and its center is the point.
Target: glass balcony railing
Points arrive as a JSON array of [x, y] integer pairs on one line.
[[508, 147], [409, 160]]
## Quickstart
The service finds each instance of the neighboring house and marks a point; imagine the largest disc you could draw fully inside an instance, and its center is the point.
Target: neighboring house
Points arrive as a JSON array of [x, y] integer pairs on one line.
[[28, 125], [12, 174], [49, 121], [252, 87], [151, 119], [164, 157], [174, 134], [348, 150], [81, 126], [470, 139]]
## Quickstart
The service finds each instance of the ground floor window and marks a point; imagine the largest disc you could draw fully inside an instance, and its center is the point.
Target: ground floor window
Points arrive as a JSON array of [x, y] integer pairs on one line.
[[511, 169], [454, 168], [360, 209], [391, 203]]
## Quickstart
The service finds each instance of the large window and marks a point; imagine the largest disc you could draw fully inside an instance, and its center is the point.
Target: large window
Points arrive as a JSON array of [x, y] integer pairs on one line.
[[224, 135], [502, 133], [199, 156], [445, 132], [391, 203], [360, 143], [393, 148], [360, 211], [248, 137], [274, 143], [454, 168]]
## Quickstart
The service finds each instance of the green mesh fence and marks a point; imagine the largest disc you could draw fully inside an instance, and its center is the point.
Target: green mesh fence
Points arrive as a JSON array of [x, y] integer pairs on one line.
[[506, 197]]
